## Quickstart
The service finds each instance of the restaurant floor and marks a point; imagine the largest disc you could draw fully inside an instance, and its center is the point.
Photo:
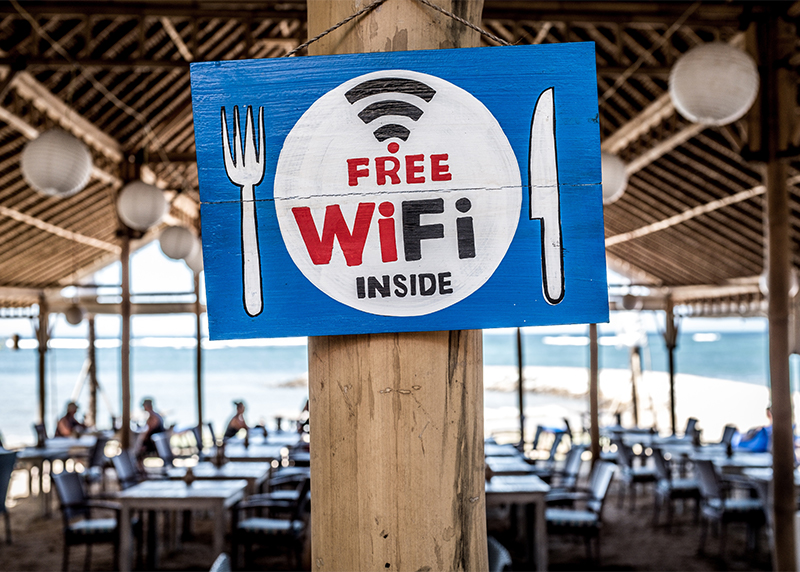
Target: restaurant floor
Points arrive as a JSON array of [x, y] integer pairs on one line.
[[629, 542]]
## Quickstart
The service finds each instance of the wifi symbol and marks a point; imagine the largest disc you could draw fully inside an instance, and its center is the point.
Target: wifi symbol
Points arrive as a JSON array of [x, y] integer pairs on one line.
[[389, 106]]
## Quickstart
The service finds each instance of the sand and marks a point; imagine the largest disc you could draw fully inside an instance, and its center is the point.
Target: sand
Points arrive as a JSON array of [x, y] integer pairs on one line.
[[553, 393]]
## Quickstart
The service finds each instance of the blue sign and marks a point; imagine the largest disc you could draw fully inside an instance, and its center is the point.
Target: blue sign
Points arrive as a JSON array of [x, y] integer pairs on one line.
[[402, 191]]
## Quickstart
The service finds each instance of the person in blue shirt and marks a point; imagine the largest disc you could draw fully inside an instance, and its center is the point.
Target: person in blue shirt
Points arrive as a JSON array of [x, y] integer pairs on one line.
[[757, 439]]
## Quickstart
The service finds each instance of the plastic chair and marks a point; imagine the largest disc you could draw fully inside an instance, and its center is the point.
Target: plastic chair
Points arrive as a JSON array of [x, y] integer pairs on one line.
[[127, 473], [286, 533], [221, 564], [669, 489], [79, 526], [632, 475], [97, 462], [585, 522], [7, 460], [499, 558], [163, 448], [717, 506]]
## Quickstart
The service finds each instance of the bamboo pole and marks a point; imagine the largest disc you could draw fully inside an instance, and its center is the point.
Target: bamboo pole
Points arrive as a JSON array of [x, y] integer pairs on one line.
[[521, 390], [198, 313], [125, 343], [777, 105], [671, 341], [42, 334], [594, 401], [91, 417], [397, 419]]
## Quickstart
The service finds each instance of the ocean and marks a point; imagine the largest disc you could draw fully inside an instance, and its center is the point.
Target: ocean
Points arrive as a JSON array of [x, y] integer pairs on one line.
[[271, 378]]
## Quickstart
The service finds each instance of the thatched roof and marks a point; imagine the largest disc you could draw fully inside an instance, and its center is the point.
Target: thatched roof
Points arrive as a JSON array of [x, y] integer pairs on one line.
[[116, 73]]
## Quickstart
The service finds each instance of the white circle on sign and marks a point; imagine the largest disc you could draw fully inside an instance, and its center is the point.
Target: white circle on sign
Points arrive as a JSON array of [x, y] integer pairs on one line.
[[397, 193]]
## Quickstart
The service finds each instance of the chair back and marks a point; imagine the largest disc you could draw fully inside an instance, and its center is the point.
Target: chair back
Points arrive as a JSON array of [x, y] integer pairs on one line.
[[568, 430], [221, 564], [71, 495], [727, 434], [303, 488], [7, 460], [97, 458], [624, 454], [691, 425], [127, 475], [708, 480], [163, 448], [599, 481], [198, 439], [551, 457], [662, 466], [539, 431], [499, 558], [41, 434], [572, 465]]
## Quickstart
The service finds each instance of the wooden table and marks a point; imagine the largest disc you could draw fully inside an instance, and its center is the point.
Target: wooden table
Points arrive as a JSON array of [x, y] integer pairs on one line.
[[254, 473], [165, 495], [737, 463], [508, 466], [495, 450], [57, 449], [255, 453], [529, 491]]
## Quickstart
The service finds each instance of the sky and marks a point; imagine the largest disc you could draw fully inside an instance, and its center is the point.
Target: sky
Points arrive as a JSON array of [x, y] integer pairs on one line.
[[153, 272]]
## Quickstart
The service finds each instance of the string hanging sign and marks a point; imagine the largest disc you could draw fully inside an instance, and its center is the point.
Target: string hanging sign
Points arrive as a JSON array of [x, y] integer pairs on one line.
[[405, 191]]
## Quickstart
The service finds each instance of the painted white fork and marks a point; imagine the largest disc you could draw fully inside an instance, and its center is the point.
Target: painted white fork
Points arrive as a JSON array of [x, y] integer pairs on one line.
[[544, 196], [245, 169]]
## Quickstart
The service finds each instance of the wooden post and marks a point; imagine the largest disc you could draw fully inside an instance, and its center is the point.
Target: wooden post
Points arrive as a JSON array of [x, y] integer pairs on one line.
[[636, 376], [198, 312], [521, 390], [671, 342], [594, 401], [91, 414], [397, 419], [42, 334], [125, 345], [777, 99]]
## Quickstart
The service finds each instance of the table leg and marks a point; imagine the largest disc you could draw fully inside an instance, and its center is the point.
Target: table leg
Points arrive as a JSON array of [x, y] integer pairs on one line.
[[540, 530], [219, 529], [125, 540], [152, 540]]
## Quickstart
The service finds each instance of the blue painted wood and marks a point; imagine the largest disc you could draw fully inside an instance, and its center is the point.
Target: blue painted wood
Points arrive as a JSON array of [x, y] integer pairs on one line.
[[508, 82]]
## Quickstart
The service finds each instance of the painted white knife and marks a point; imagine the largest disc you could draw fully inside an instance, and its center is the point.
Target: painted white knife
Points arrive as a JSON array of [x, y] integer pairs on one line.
[[544, 195]]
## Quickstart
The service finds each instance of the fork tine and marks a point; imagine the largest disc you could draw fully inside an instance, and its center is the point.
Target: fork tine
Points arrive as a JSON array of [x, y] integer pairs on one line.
[[237, 138], [249, 140], [262, 137], [226, 144]]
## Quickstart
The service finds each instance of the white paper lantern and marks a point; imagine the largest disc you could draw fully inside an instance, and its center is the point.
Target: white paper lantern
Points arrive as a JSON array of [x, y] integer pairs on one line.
[[177, 242], [714, 84], [195, 258], [141, 206], [56, 163], [615, 177], [74, 315]]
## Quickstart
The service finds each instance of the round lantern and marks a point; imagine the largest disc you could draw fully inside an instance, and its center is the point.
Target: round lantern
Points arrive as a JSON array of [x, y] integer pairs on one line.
[[177, 242], [56, 163], [794, 283], [615, 177], [141, 206], [195, 258], [74, 315], [714, 84]]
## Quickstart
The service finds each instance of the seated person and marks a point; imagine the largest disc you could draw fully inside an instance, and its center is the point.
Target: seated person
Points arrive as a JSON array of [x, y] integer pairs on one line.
[[757, 439], [237, 422], [68, 426], [155, 424]]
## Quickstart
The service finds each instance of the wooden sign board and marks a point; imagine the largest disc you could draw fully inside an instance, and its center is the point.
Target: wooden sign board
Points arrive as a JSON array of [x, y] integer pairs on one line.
[[403, 191]]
